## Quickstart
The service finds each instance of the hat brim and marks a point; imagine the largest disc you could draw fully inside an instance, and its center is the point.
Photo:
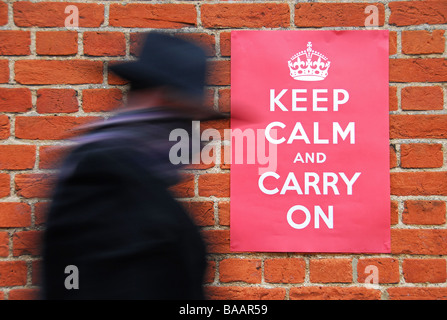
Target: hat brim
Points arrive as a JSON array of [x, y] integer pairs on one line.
[[151, 76], [148, 75]]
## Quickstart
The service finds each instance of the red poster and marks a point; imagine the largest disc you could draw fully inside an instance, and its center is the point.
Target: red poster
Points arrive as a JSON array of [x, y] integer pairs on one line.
[[310, 141]]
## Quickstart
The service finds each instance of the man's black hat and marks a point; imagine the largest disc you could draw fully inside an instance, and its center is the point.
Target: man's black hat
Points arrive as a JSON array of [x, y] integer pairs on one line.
[[166, 61]]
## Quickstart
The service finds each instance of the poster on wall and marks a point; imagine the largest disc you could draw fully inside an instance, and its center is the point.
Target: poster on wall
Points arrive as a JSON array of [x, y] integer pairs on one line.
[[310, 141]]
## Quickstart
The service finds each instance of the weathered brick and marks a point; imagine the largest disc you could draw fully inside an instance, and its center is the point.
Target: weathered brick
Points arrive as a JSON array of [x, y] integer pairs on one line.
[[49, 127], [14, 43], [99, 100], [57, 101], [148, 15], [422, 98], [406, 13], [56, 43], [52, 14], [418, 70], [282, 270], [424, 212], [387, 268], [424, 270], [26, 243], [244, 270], [423, 41], [419, 183], [421, 155], [13, 273], [15, 100], [419, 241], [333, 293], [74, 71], [104, 43], [245, 15], [335, 14], [17, 157]]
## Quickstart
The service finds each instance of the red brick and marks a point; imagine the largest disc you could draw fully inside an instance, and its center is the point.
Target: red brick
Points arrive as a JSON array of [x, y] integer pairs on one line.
[[419, 241], [424, 212], [56, 43], [392, 42], [56, 101], [424, 270], [185, 188], [50, 157], [414, 126], [26, 243], [13, 273], [421, 155], [214, 184], [145, 15], [388, 269], [333, 293], [201, 212], [414, 293], [74, 71], [104, 44], [52, 14], [418, 70], [245, 15], [290, 270], [244, 293], [5, 127], [330, 270], [218, 241], [224, 213], [15, 43], [4, 71], [225, 44], [3, 13], [17, 157], [394, 212], [49, 127], [225, 100], [393, 157], [14, 214], [422, 98], [40, 212], [335, 14], [418, 183], [244, 270], [218, 73], [97, 100], [4, 244], [34, 185], [406, 13], [24, 294], [423, 42], [210, 272], [206, 41], [15, 100], [393, 98], [4, 185]]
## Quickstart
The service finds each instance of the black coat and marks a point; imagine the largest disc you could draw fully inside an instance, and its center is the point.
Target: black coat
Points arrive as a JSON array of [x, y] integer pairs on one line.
[[114, 219]]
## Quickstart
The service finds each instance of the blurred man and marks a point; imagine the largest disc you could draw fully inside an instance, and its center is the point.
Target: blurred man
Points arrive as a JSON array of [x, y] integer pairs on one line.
[[112, 218]]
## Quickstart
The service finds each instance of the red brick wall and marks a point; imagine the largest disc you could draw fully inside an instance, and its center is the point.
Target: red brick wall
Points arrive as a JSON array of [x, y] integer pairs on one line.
[[53, 79]]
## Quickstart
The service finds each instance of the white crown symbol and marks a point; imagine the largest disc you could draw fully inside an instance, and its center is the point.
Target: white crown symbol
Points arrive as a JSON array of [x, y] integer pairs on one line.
[[309, 65]]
